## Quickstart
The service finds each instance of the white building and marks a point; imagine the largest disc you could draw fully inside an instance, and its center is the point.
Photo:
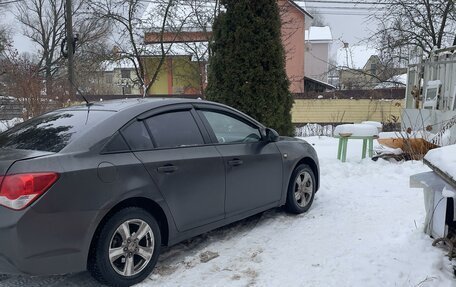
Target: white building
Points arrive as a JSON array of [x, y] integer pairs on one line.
[[318, 42]]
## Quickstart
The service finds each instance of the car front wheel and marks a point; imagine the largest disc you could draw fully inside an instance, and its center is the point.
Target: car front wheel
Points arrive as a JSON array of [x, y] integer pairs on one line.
[[301, 190], [126, 249]]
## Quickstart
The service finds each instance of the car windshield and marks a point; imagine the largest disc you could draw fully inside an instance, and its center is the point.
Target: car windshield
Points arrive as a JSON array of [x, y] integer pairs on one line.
[[52, 131]]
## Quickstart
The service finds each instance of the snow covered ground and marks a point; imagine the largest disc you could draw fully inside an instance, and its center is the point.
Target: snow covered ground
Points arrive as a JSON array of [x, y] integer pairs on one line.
[[364, 229]]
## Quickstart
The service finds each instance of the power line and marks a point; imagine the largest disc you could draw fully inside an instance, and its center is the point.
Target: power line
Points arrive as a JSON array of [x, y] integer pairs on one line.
[[346, 13], [345, 8], [354, 2]]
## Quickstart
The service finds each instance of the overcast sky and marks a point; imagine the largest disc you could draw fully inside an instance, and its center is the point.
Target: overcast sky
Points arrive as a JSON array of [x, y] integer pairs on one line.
[[348, 22], [348, 19]]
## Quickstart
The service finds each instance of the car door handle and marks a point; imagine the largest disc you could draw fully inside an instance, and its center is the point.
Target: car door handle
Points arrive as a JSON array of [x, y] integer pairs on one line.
[[167, 169], [235, 162]]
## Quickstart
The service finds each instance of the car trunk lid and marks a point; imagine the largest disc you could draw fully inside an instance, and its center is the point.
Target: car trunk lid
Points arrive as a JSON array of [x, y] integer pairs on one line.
[[10, 156]]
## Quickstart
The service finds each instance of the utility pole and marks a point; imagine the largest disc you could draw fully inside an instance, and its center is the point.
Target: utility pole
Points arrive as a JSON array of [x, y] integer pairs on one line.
[[70, 50]]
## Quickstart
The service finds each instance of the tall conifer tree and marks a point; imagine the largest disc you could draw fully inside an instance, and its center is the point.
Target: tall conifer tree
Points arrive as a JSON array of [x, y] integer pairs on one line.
[[247, 66]]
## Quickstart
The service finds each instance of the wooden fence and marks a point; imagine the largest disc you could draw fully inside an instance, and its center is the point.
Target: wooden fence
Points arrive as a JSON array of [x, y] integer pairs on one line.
[[350, 106]]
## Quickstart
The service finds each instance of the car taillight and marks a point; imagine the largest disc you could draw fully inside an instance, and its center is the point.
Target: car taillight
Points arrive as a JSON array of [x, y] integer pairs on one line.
[[18, 191]]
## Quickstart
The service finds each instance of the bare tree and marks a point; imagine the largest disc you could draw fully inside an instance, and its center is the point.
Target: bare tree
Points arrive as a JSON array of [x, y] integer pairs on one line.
[[4, 38], [127, 18], [44, 23], [165, 21], [203, 16], [194, 70], [318, 18], [5, 35], [406, 25], [24, 82]]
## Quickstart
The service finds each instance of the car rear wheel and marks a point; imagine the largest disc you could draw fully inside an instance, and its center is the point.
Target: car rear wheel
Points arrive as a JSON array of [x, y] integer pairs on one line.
[[126, 249], [301, 190]]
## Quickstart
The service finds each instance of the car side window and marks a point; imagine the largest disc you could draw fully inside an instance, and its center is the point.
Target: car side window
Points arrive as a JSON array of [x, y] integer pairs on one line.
[[116, 144], [174, 129], [137, 136], [228, 129]]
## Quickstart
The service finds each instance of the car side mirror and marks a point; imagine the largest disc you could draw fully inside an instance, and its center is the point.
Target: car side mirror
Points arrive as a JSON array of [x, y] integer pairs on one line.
[[270, 135]]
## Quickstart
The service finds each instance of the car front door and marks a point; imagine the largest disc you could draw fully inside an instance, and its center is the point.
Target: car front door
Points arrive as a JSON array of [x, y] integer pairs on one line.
[[189, 173], [253, 166]]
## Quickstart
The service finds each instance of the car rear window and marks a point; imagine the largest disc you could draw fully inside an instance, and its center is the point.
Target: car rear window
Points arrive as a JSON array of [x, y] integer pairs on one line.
[[52, 131]]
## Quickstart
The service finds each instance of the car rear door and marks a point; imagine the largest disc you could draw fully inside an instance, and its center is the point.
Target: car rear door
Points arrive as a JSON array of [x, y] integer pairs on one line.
[[253, 166], [189, 173]]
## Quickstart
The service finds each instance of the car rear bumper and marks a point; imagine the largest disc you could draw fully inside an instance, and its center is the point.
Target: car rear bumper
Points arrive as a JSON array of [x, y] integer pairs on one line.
[[43, 243], [7, 267]]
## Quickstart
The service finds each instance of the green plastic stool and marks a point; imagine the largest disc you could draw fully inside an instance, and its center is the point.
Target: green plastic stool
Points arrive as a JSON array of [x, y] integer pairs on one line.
[[343, 141]]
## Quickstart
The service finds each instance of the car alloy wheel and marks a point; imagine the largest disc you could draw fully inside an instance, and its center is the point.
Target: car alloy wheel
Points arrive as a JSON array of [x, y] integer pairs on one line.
[[303, 188], [131, 247], [126, 247]]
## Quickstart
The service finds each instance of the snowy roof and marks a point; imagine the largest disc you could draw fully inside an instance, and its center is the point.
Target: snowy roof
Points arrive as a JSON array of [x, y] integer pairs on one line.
[[393, 82], [354, 57], [183, 15], [443, 159], [318, 34], [301, 5], [109, 66], [325, 84]]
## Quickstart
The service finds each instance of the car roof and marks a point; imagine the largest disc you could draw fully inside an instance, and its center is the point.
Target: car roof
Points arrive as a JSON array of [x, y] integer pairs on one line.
[[123, 104], [122, 111]]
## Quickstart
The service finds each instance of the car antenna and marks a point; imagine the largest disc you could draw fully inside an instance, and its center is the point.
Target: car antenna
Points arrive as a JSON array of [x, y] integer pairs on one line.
[[88, 104]]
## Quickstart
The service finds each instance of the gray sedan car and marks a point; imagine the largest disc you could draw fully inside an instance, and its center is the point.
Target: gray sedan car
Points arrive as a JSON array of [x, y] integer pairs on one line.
[[101, 187]]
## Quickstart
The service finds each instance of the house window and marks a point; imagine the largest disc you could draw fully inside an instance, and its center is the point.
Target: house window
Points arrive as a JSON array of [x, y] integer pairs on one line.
[[108, 78], [125, 74], [373, 69], [126, 90]]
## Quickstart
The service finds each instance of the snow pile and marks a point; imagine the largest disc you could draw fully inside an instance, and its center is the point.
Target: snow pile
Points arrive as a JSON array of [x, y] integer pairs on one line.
[[358, 130], [384, 150], [7, 124], [444, 158], [378, 125]]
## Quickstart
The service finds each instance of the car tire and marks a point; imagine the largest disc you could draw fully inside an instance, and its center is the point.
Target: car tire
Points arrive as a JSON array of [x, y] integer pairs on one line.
[[126, 248], [301, 190]]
